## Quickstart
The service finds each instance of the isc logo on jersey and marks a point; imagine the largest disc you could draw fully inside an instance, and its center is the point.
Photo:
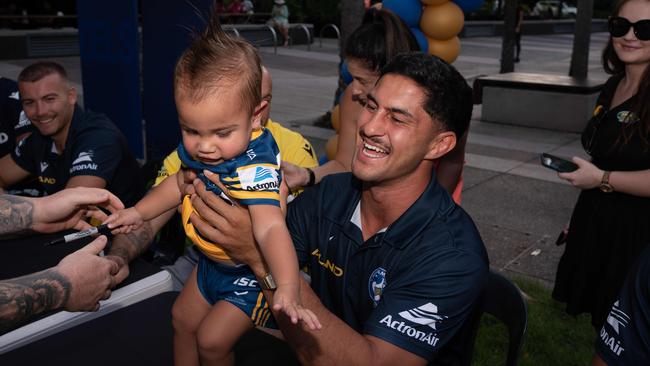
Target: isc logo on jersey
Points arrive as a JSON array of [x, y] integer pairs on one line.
[[258, 178]]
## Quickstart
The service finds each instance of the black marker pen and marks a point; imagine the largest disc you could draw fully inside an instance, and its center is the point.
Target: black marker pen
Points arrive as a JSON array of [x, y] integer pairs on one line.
[[101, 229]]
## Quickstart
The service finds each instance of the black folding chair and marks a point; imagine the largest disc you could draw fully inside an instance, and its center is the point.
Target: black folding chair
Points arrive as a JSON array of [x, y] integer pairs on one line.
[[503, 300]]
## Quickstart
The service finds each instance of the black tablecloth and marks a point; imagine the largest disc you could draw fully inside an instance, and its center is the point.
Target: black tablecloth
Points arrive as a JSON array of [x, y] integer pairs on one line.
[[140, 334], [22, 256]]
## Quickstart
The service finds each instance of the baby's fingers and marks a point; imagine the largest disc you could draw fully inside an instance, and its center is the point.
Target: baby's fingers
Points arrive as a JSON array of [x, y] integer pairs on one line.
[[309, 318]]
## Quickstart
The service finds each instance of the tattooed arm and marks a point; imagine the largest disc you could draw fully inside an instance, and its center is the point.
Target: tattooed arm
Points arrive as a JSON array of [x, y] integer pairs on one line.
[[67, 209], [77, 283], [126, 247], [27, 296]]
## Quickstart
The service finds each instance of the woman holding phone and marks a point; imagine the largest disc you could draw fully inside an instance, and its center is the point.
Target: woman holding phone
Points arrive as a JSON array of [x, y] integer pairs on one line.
[[610, 225]]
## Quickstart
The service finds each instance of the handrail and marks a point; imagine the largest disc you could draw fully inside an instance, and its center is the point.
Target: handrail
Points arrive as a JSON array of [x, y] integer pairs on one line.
[[304, 27], [275, 39], [326, 26], [234, 30]]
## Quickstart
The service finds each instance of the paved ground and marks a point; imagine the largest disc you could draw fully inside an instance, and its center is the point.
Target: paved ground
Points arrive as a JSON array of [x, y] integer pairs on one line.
[[518, 206]]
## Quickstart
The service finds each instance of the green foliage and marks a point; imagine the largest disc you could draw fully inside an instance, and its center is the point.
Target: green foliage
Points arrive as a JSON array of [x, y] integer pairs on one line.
[[552, 337]]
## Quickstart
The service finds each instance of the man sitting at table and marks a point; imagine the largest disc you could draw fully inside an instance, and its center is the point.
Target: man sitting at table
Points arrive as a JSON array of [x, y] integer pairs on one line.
[[72, 147]]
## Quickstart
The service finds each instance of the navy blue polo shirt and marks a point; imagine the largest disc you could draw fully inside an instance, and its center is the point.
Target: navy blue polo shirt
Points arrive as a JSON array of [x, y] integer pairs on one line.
[[625, 337], [412, 285], [13, 121], [94, 146]]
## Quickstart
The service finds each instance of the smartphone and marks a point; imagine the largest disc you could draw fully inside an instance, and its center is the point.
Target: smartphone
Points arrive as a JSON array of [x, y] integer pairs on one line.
[[557, 164]]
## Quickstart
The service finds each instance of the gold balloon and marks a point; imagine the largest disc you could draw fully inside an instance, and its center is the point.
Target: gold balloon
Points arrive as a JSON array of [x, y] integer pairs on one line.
[[335, 118], [433, 2], [331, 146], [447, 50], [442, 21]]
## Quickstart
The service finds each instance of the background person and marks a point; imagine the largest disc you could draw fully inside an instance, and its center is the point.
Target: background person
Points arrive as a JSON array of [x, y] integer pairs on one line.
[[394, 242], [280, 19], [520, 23], [381, 36], [72, 147], [81, 279], [609, 226], [14, 127]]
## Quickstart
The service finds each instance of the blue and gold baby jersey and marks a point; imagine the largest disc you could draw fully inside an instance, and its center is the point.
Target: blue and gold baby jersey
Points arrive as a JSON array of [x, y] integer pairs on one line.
[[253, 178]]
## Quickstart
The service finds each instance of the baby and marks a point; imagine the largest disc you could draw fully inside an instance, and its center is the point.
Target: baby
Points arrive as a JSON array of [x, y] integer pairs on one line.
[[217, 90]]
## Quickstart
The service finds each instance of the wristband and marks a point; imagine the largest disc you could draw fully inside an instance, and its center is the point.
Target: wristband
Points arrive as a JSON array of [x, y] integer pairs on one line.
[[312, 178]]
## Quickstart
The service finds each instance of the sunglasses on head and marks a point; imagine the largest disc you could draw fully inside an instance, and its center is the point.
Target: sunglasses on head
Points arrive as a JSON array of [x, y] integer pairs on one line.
[[619, 26]]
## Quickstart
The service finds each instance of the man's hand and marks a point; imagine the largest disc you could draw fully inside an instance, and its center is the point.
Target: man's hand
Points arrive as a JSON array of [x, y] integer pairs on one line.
[[186, 179], [69, 208], [91, 277], [294, 175], [228, 225]]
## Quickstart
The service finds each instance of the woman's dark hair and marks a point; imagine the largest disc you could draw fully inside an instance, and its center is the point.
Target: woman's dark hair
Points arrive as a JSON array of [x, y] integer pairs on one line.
[[614, 66], [380, 37]]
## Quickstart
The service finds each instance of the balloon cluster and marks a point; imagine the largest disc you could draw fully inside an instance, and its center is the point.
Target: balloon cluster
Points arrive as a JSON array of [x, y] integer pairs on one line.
[[435, 25]]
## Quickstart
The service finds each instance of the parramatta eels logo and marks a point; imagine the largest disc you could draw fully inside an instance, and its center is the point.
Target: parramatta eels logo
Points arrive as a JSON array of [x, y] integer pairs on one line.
[[376, 284]]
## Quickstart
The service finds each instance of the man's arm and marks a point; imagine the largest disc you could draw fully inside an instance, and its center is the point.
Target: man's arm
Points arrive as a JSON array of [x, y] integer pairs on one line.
[[336, 342], [66, 209], [126, 247], [86, 181], [77, 283], [25, 297]]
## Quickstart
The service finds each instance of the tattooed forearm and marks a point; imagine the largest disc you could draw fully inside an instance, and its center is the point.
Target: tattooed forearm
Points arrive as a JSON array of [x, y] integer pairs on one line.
[[27, 296], [16, 214], [129, 246]]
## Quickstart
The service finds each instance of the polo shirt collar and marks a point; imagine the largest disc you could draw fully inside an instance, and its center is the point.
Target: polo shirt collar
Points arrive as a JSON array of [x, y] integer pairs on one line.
[[433, 203], [77, 115]]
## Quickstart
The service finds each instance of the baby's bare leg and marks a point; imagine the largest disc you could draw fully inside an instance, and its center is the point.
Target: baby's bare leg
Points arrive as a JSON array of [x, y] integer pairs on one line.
[[189, 310], [219, 331]]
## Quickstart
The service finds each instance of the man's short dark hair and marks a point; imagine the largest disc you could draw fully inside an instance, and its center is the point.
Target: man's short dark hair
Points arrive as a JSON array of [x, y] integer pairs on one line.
[[41, 69], [448, 97]]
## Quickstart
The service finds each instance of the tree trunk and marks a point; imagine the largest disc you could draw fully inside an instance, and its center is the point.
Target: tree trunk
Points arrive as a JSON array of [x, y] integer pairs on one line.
[[351, 16], [580, 53], [508, 45]]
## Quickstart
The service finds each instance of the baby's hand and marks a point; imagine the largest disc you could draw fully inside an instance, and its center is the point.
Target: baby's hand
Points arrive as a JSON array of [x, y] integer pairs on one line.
[[286, 300], [124, 221]]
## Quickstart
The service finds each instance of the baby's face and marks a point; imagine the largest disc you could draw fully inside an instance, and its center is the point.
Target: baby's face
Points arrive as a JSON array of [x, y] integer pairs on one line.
[[215, 129]]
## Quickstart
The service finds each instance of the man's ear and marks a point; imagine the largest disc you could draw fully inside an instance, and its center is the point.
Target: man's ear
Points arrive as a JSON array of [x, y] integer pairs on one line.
[[257, 114], [443, 143], [72, 95]]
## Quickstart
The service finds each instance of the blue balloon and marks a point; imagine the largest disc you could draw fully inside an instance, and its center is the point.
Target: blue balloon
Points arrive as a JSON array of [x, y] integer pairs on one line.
[[409, 10], [345, 73], [421, 38], [469, 6]]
